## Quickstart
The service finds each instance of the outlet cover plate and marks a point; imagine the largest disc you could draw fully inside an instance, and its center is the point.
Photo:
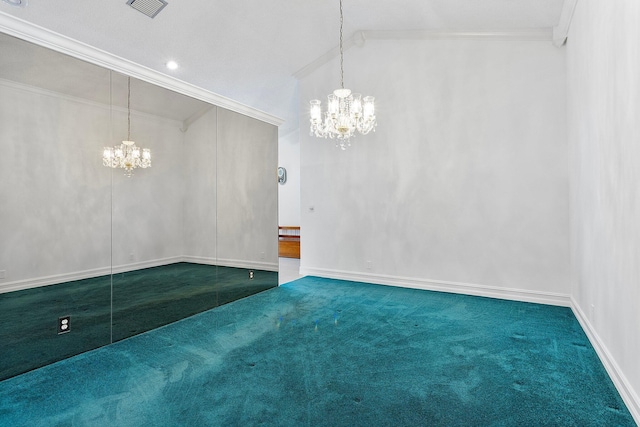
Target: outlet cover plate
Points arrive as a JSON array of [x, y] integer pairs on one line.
[[64, 324]]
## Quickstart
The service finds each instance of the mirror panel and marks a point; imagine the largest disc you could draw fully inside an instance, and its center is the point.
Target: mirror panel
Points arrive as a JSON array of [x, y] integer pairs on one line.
[[121, 255], [55, 214], [247, 211], [153, 224]]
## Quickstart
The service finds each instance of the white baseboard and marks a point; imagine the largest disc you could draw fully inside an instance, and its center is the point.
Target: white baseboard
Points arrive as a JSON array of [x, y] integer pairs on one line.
[[54, 279], [623, 386], [238, 263], [199, 260], [549, 298], [124, 268], [37, 282]]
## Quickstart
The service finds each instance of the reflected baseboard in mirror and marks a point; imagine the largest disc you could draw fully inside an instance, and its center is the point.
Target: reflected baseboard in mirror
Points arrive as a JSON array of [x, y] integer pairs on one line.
[[142, 300], [153, 297]]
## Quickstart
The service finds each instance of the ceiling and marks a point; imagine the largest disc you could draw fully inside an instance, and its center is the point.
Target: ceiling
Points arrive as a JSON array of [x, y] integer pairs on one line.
[[35, 66], [249, 50]]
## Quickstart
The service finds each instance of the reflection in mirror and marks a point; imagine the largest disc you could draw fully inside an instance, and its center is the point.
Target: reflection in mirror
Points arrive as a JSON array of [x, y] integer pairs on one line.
[[55, 214], [247, 222], [149, 288], [167, 243], [195, 230]]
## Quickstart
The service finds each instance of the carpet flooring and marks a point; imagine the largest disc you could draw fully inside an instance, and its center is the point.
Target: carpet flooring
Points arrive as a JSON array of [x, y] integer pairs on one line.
[[320, 352], [142, 300]]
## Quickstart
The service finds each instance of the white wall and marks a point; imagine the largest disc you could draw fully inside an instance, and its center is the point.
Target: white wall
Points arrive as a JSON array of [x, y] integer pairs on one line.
[[289, 192], [603, 71], [230, 212], [55, 195], [64, 216], [57, 214], [464, 185], [200, 188], [148, 207], [247, 215]]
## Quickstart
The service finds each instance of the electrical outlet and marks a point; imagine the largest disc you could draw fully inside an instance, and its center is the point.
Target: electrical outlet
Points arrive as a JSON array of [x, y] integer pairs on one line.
[[3, 274], [131, 257], [262, 255], [250, 274], [64, 324], [368, 265]]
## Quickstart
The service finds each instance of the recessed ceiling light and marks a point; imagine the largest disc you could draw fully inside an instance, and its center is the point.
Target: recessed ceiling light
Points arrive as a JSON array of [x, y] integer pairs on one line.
[[172, 65], [16, 2]]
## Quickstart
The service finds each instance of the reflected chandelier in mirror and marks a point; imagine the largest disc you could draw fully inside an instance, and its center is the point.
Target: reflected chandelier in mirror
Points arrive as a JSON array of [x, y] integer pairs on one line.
[[127, 155]]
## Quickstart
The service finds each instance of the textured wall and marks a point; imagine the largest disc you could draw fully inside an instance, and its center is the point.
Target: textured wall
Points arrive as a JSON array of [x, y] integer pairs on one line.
[[59, 204], [289, 192], [55, 195], [465, 179], [148, 207], [200, 187], [247, 216], [603, 64], [58, 216]]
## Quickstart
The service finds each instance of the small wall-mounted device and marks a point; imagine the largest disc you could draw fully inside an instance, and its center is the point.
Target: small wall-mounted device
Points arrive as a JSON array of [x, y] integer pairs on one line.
[[19, 3], [282, 175]]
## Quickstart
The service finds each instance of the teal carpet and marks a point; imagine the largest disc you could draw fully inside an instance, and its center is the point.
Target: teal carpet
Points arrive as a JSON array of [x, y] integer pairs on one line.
[[320, 352], [142, 300]]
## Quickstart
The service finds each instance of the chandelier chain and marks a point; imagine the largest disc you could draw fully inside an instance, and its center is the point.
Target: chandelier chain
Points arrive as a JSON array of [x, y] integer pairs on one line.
[[341, 50], [129, 109]]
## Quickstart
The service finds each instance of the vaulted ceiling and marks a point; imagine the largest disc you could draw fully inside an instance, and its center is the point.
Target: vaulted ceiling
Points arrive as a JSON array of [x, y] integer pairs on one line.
[[250, 50]]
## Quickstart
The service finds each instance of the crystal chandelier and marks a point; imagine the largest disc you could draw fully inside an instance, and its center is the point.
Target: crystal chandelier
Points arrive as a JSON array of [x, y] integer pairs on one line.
[[346, 112], [126, 155]]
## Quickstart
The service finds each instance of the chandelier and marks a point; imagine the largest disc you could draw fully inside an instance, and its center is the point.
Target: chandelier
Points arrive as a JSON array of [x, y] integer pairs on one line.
[[346, 112], [127, 155]]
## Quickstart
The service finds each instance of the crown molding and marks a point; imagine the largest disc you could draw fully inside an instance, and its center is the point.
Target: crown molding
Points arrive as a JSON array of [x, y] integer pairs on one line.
[[360, 38], [542, 34], [561, 31], [69, 98], [43, 37]]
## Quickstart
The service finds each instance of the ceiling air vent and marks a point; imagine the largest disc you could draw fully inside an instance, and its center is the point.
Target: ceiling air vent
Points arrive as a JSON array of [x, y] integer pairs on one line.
[[149, 7]]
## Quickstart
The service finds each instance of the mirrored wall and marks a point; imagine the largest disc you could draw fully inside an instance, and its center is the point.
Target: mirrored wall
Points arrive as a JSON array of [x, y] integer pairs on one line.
[[120, 255]]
